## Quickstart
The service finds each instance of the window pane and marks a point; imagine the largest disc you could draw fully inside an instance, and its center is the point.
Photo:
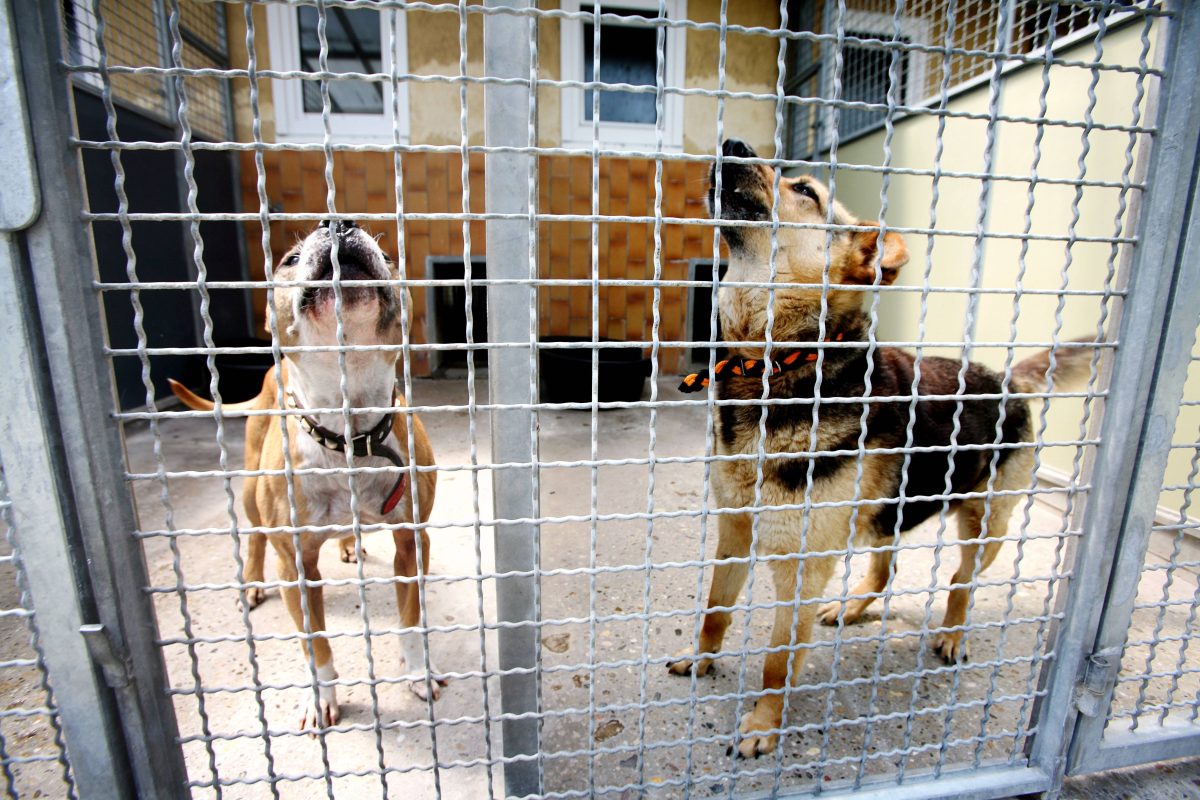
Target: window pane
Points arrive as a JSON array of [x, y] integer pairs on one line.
[[627, 55], [354, 46]]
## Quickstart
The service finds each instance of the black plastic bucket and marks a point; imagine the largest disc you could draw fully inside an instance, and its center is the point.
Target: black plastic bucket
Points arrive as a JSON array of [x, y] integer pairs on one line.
[[566, 375], [241, 373]]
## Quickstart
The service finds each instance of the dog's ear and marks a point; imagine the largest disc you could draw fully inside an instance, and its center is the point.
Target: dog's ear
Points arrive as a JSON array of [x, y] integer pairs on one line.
[[864, 254]]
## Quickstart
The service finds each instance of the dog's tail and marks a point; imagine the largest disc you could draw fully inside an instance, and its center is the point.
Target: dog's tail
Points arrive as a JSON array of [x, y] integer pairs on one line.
[[198, 403], [1071, 367]]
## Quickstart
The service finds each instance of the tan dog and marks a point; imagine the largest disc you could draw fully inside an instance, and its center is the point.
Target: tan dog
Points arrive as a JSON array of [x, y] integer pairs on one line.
[[995, 463], [305, 316]]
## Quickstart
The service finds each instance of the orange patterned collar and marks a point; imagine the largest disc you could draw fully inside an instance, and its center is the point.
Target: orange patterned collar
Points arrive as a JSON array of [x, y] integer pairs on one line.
[[741, 367]]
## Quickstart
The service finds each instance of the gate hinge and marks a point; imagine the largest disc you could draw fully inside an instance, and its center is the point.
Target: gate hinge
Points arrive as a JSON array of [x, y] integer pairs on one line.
[[1098, 677], [116, 668]]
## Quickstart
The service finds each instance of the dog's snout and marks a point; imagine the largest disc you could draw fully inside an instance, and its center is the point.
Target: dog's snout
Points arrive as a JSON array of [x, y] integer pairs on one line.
[[734, 174], [743, 188], [340, 226], [737, 148]]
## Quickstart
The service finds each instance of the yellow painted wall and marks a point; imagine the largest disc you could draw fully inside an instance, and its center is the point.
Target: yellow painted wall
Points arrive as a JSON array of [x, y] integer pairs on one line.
[[243, 118], [434, 109], [750, 66], [948, 262]]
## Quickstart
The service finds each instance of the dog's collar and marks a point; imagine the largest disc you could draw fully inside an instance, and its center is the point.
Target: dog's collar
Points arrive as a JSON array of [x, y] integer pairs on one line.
[[741, 367], [371, 443]]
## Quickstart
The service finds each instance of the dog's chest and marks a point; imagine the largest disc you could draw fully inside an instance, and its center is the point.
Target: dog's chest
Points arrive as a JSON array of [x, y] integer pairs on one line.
[[328, 496], [788, 428], [789, 474]]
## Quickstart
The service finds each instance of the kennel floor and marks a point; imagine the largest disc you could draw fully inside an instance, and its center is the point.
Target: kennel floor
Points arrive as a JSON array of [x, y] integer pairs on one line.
[[635, 734]]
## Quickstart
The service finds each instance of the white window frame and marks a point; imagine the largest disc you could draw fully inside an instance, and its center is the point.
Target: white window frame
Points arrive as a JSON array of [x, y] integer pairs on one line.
[[577, 129], [882, 26], [294, 124]]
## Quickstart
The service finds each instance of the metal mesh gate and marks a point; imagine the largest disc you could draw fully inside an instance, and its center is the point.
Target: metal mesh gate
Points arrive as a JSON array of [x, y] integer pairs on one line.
[[33, 755], [490, 228]]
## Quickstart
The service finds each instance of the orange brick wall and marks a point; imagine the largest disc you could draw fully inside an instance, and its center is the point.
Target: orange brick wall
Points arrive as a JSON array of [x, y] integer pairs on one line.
[[433, 183]]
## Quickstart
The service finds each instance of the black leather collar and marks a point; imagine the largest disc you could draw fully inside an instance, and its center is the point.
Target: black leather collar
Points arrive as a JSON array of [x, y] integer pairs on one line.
[[371, 443]]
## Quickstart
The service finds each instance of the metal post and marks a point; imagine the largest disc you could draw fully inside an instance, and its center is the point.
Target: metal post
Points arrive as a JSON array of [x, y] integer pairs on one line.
[[86, 440], [512, 254], [1152, 282], [162, 33], [1170, 372], [40, 493], [1004, 23]]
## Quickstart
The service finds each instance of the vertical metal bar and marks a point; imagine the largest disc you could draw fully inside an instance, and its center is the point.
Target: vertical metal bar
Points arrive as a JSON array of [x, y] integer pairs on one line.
[[72, 327], [512, 374], [171, 90], [44, 530], [235, 167], [1170, 372], [1004, 32], [824, 121], [1127, 419]]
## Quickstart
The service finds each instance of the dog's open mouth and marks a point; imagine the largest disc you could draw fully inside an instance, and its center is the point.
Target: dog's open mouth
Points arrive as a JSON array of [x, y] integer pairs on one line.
[[352, 269]]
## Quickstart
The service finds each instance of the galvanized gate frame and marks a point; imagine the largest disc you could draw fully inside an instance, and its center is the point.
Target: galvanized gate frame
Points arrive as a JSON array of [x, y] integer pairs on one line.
[[1091, 749], [66, 460], [1169, 241], [1157, 328]]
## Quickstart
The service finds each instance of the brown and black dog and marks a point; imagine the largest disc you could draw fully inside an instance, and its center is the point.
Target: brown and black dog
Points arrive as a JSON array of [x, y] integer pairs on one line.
[[802, 253], [313, 379]]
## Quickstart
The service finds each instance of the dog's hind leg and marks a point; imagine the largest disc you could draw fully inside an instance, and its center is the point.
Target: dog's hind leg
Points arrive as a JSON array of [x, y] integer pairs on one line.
[[949, 644], [408, 602], [758, 726], [733, 541], [256, 547], [326, 711], [256, 553], [883, 567], [1013, 474]]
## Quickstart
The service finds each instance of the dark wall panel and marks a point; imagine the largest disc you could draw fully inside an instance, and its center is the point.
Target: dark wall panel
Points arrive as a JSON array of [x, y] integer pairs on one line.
[[152, 183]]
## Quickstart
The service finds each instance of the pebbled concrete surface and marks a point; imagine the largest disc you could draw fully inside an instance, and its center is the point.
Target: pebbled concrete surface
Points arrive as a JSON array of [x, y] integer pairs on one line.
[[1171, 780]]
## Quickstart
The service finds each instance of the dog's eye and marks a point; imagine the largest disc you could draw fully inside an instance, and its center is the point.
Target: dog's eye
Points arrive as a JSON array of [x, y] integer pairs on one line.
[[291, 260], [803, 189]]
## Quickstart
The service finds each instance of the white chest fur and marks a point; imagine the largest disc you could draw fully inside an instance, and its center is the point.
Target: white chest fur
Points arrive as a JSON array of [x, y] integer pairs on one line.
[[331, 498], [339, 497]]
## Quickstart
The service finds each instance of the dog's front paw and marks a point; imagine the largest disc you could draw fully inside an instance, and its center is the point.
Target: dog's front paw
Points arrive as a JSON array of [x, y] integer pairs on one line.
[[423, 689], [689, 662], [255, 595], [950, 646], [321, 713], [756, 730], [346, 551], [828, 613], [412, 652]]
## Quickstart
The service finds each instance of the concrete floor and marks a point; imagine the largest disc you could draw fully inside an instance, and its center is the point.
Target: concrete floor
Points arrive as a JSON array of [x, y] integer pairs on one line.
[[616, 725]]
